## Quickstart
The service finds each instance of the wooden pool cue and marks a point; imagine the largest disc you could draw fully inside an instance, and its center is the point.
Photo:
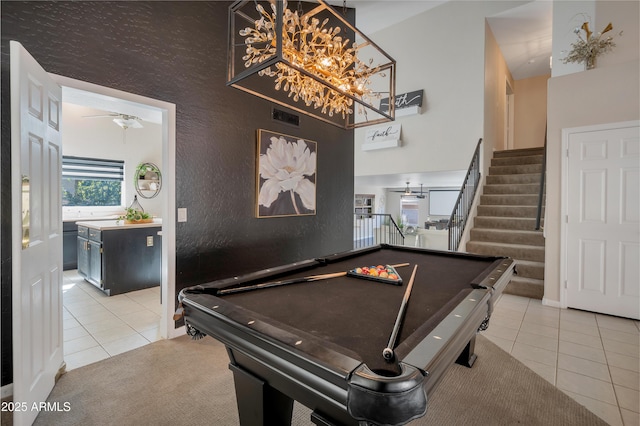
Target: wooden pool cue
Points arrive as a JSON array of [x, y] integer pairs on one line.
[[387, 353], [291, 281]]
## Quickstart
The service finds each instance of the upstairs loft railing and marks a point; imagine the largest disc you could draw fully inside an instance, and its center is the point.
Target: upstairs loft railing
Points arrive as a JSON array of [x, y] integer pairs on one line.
[[542, 178], [462, 208], [372, 228]]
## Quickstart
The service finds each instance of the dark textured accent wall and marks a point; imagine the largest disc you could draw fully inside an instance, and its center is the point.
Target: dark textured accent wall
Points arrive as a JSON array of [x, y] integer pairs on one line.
[[176, 52]]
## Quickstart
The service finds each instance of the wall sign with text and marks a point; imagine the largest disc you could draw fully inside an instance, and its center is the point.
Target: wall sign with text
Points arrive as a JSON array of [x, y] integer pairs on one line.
[[382, 137], [405, 104]]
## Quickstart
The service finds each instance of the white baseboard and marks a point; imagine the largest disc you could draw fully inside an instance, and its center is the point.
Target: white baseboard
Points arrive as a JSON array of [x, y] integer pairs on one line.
[[6, 390], [552, 303], [177, 332]]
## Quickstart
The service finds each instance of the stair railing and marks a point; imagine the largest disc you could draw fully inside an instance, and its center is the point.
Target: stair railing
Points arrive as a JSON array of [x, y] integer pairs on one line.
[[370, 229], [542, 179], [462, 208]]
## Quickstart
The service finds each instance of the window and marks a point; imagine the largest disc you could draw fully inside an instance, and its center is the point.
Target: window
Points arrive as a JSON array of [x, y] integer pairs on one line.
[[92, 182]]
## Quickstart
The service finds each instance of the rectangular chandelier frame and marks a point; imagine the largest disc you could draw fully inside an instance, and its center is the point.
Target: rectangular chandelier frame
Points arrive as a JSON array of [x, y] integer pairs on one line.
[[256, 74]]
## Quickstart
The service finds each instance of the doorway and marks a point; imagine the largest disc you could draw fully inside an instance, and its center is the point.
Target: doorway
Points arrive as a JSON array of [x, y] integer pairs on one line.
[[163, 113], [601, 243]]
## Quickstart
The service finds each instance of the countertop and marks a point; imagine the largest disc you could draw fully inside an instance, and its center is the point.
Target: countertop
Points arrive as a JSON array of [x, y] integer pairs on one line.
[[103, 225], [89, 218]]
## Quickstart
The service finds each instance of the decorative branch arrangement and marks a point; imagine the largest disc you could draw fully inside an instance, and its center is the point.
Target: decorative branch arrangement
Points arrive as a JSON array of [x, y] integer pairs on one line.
[[587, 49]]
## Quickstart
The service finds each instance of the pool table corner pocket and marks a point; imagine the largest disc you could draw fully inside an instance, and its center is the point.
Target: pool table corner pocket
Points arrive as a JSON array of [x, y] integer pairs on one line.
[[387, 400]]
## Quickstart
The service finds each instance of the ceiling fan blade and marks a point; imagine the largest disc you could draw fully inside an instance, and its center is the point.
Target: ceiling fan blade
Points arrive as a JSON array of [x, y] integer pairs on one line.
[[101, 116]]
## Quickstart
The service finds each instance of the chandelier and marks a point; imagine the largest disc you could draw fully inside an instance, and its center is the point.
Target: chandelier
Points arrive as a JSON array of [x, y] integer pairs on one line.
[[314, 62]]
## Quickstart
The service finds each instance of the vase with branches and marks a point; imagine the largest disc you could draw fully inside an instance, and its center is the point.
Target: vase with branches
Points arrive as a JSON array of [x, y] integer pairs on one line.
[[588, 47]]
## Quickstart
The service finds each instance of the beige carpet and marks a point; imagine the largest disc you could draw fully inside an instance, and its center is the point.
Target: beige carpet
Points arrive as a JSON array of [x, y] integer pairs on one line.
[[186, 382]]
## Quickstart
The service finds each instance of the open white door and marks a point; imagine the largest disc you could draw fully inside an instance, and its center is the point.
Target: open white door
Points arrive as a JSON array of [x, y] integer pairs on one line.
[[603, 221], [36, 155]]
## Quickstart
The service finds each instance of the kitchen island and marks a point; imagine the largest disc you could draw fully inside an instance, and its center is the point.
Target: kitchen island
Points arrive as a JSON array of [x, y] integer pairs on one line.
[[118, 257]]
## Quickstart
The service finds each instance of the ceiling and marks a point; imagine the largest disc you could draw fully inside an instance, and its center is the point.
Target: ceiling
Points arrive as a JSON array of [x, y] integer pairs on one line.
[[523, 34]]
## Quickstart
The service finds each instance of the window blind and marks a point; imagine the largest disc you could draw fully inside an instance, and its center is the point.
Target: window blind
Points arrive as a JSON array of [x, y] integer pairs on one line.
[[81, 168]]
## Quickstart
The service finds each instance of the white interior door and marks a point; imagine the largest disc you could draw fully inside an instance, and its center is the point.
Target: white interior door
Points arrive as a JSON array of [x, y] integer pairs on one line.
[[603, 223], [37, 233]]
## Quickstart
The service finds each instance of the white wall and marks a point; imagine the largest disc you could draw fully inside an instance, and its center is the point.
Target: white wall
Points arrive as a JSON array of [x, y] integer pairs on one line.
[[102, 138], [442, 52], [609, 93], [496, 77]]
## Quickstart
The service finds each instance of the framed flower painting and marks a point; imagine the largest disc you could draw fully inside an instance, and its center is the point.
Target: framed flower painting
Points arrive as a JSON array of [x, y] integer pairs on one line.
[[285, 175]]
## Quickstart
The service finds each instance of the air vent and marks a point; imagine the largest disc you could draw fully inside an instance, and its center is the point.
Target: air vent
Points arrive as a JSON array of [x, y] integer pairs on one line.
[[285, 117]]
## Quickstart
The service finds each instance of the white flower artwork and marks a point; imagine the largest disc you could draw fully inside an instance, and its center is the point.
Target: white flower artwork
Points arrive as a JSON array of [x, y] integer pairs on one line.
[[286, 176]]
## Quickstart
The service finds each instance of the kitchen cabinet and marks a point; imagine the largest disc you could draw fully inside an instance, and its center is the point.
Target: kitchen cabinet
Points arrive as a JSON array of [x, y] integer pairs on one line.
[[83, 251], [119, 258], [69, 245]]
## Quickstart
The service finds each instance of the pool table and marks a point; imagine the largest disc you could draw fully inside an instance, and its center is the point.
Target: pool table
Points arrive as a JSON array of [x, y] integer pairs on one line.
[[320, 342]]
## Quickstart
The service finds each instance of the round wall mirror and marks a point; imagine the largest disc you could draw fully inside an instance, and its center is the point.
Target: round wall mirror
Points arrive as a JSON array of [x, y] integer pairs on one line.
[[147, 180]]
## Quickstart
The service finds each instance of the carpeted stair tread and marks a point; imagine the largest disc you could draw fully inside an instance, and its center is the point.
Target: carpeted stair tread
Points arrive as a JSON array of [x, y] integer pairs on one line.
[[509, 236], [514, 251], [508, 211], [530, 269], [515, 179], [515, 170], [525, 287], [522, 159], [509, 200], [505, 222], [525, 188], [518, 152]]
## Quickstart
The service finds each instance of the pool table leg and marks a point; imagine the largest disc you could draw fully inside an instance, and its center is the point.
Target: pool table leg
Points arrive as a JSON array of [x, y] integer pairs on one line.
[[468, 356], [258, 403]]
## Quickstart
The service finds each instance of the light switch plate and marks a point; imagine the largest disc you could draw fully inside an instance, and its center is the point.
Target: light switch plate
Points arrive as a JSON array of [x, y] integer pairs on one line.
[[149, 240], [182, 214]]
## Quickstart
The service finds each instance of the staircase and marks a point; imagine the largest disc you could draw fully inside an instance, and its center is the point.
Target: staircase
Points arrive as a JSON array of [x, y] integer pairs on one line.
[[506, 218]]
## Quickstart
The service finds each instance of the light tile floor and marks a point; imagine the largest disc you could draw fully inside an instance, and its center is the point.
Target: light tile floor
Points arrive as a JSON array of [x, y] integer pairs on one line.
[[97, 326], [593, 358]]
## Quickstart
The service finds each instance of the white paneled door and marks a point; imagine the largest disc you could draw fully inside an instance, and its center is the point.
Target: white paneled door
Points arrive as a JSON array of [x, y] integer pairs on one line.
[[36, 155], [603, 221]]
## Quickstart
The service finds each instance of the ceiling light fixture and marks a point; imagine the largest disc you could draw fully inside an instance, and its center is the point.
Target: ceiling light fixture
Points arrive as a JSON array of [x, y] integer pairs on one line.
[[311, 60], [127, 121]]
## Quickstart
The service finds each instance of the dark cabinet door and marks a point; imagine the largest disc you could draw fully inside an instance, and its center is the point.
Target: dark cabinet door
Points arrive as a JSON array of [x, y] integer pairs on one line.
[[95, 263], [83, 257], [69, 245]]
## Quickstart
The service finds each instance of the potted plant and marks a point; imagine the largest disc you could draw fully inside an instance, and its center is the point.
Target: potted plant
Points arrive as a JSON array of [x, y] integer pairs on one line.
[[135, 213]]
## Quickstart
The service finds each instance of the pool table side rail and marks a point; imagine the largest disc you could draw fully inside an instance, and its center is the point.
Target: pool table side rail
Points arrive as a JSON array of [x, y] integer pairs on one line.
[[462, 323], [315, 384]]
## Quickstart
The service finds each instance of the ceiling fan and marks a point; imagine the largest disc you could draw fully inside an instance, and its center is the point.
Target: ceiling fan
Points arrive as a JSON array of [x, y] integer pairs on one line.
[[408, 192], [123, 120]]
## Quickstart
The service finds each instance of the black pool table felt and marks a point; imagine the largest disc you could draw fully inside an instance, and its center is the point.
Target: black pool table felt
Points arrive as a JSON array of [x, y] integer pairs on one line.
[[358, 315]]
